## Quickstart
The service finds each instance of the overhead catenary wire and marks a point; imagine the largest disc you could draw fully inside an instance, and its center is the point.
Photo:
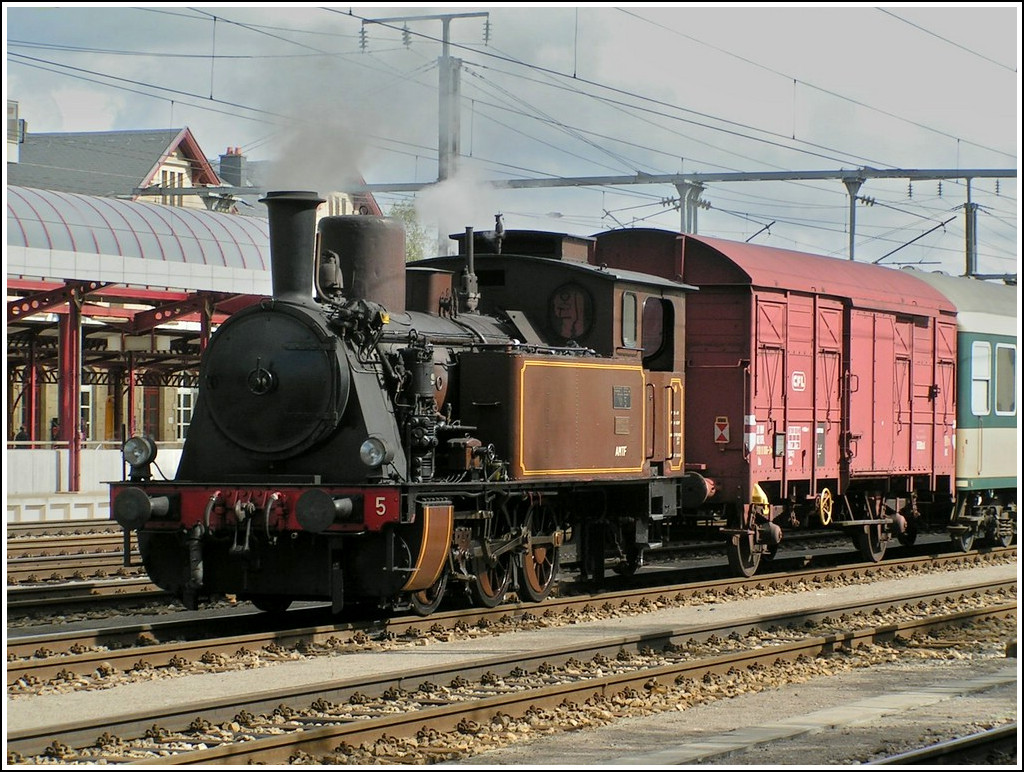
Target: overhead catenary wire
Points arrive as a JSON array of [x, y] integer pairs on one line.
[[625, 101]]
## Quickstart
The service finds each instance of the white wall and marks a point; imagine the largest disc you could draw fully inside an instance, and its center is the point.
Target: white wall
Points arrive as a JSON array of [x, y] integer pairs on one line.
[[36, 483]]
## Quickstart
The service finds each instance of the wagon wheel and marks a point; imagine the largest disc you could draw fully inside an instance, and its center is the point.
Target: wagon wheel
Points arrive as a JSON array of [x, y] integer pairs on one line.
[[271, 604], [909, 536], [824, 506], [540, 563], [869, 542], [425, 602], [631, 561], [743, 558], [963, 541], [491, 582]]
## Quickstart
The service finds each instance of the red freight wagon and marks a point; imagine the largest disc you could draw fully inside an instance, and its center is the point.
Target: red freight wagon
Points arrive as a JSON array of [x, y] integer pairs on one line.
[[819, 391]]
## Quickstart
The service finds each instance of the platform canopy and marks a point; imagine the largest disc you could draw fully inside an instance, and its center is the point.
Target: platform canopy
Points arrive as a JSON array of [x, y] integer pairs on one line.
[[61, 236], [144, 276]]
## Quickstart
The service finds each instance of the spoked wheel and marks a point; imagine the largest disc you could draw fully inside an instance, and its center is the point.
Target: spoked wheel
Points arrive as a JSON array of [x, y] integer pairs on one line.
[[743, 559], [869, 542], [540, 563], [491, 582], [271, 604], [963, 541], [824, 506], [425, 602]]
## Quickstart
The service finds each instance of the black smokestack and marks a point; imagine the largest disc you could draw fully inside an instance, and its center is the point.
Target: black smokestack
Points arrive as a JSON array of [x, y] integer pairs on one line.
[[292, 217]]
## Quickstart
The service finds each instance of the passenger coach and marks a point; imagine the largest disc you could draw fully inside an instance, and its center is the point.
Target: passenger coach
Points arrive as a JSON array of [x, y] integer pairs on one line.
[[987, 440]]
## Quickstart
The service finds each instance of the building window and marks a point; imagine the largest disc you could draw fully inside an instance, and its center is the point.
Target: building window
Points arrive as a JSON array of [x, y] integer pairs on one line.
[[85, 411], [1006, 379], [151, 412], [183, 407], [981, 378], [172, 179]]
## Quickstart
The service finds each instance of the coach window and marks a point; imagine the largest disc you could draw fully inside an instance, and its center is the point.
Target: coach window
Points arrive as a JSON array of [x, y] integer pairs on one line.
[[981, 378], [629, 319], [1006, 379]]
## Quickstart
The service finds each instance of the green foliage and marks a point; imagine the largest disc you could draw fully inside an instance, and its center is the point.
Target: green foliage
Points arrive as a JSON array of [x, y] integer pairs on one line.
[[416, 236]]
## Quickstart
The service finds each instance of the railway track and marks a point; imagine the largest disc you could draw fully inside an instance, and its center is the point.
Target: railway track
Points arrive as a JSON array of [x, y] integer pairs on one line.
[[418, 714], [28, 601], [99, 542], [61, 528], [35, 659], [90, 581], [993, 746], [38, 569]]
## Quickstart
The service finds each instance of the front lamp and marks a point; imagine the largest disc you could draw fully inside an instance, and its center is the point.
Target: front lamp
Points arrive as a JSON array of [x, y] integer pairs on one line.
[[373, 452], [139, 451]]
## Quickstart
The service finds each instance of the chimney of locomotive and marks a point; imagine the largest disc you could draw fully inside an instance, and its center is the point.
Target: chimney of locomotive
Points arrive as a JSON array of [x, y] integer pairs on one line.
[[292, 218]]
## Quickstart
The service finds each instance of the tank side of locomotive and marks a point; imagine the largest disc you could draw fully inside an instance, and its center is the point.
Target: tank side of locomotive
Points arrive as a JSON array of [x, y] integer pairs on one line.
[[987, 427]]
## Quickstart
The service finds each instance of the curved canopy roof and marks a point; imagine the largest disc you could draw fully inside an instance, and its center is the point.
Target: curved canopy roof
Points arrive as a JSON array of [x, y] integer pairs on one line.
[[55, 235]]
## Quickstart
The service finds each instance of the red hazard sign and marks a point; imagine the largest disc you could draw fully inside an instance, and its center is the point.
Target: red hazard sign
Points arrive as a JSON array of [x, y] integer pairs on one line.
[[722, 429]]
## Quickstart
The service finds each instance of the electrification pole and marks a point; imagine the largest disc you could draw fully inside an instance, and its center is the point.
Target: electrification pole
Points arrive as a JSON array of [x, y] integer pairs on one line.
[[449, 72]]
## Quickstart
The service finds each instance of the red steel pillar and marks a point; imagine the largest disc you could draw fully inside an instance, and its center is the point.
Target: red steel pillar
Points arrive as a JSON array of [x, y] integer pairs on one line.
[[130, 388], [70, 326]]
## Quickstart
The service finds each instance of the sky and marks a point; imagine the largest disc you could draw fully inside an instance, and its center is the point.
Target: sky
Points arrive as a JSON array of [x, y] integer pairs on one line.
[[331, 94]]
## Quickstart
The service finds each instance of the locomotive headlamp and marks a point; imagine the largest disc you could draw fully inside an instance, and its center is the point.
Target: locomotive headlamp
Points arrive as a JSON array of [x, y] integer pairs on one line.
[[373, 452], [139, 451]]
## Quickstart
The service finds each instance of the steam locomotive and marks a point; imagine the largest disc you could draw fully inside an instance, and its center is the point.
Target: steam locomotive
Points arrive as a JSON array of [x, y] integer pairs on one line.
[[377, 433]]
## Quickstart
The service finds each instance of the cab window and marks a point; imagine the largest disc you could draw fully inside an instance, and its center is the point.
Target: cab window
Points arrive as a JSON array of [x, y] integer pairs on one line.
[[658, 326], [629, 319]]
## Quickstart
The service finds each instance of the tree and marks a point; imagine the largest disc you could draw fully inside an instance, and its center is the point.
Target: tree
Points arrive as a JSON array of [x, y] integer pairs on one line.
[[416, 236]]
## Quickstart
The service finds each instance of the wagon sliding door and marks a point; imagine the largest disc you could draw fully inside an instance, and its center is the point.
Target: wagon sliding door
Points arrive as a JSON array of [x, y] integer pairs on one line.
[[869, 386], [828, 371]]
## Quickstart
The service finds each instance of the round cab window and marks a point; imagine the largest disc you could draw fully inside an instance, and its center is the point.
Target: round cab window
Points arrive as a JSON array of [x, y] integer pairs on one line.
[[570, 312]]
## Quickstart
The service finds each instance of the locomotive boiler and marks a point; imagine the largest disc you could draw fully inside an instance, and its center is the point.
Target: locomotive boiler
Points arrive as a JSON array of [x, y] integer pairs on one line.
[[370, 434]]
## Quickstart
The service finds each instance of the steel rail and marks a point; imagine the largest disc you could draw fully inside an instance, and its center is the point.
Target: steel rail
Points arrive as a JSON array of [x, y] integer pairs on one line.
[[278, 749], [85, 731], [36, 658], [971, 749]]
